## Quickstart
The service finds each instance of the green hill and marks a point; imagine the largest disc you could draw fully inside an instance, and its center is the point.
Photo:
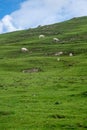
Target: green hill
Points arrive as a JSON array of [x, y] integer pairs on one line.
[[39, 89]]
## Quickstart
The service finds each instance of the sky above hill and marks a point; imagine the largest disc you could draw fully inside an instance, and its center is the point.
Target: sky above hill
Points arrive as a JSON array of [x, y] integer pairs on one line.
[[24, 14]]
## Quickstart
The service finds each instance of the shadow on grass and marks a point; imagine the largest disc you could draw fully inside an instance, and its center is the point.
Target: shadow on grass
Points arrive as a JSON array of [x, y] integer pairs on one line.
[[6, 113]]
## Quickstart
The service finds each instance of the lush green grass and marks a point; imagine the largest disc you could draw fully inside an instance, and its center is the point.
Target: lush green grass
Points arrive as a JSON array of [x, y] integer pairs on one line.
[[55, 98]]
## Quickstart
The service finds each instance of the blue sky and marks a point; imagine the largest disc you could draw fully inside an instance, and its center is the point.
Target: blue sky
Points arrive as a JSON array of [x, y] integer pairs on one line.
[[23, 14], [8, 6]]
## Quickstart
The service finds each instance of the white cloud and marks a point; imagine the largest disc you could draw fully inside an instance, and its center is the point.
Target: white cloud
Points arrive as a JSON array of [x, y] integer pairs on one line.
[[40, 12], [78, 7], [8, 23]]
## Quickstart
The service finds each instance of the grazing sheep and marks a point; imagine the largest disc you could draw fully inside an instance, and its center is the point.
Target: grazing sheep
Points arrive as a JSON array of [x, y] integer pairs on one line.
[[41, 36], [32, 70], [70, 54], [55, 39], [58, 53], [24, 49]]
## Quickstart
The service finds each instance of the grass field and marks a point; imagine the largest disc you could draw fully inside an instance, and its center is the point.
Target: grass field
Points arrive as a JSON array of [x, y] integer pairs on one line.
[[55, 97]]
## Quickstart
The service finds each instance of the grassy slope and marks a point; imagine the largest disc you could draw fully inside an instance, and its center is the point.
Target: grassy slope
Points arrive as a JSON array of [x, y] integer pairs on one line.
[[54, 98]]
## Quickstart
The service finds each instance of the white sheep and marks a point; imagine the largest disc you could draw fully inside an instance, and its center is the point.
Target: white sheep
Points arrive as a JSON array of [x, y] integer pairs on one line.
[[70, 54], [59, 53], [24, 49], [41, 36], [55, 39]]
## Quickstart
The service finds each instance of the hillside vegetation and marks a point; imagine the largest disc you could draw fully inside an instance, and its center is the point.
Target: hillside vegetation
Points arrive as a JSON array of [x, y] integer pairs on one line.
[[55, 96]]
